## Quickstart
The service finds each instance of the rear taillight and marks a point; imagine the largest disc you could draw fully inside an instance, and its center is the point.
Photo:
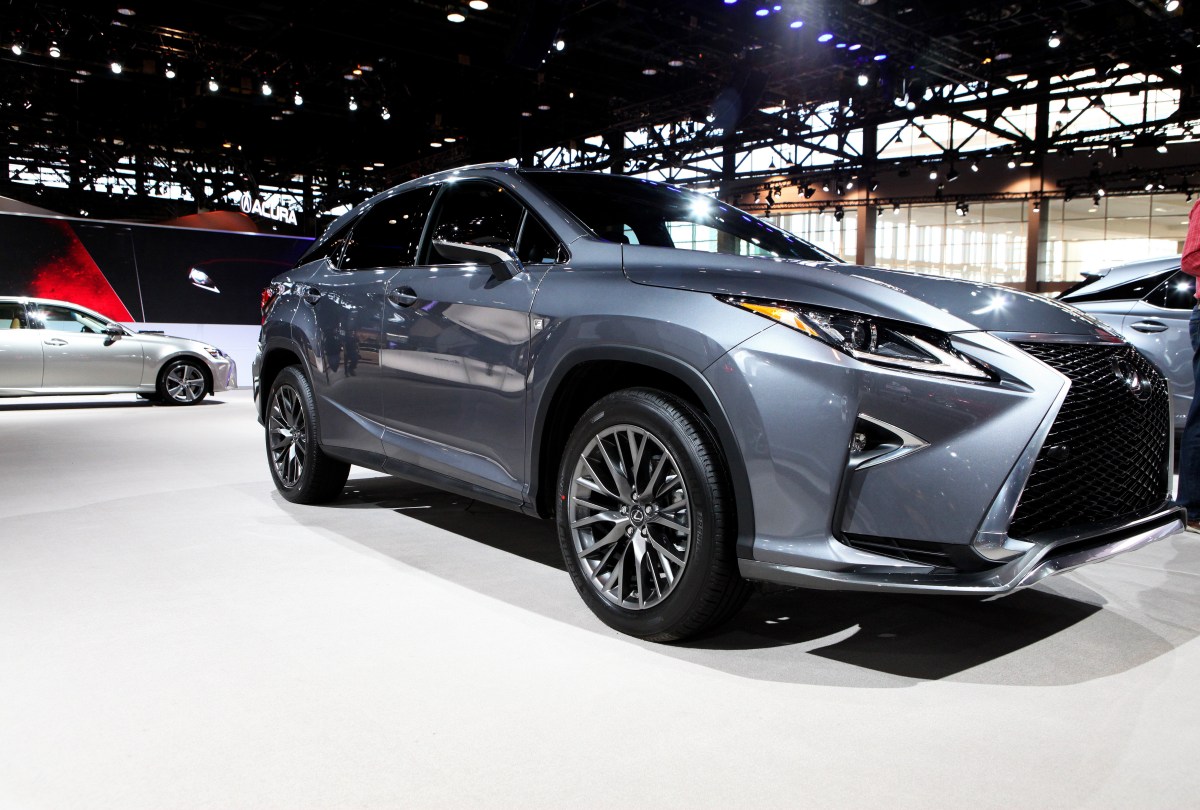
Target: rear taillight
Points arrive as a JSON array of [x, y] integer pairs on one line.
[[268, 295]]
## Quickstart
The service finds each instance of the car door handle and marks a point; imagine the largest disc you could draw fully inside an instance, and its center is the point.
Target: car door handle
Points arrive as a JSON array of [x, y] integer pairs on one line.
[[312, 295], [1149, 326], [403, 296], [55, 342]]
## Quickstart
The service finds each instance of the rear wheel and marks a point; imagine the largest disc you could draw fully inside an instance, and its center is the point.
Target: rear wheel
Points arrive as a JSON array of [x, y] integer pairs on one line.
[[182, 382], [302, 471], [645, 517]]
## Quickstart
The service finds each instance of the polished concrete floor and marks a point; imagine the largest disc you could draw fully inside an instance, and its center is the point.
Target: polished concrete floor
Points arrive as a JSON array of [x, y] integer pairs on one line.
[[173, 634]]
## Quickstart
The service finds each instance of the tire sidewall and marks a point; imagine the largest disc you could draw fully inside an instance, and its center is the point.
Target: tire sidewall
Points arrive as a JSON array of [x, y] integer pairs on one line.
[[648, 414], [292, 378]]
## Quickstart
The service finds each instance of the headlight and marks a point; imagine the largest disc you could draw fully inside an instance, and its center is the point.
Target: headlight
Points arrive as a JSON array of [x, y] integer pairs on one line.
[[214, 352], [872, 340]]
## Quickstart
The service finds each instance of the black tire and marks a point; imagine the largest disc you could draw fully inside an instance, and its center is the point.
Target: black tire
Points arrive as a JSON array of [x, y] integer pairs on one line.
[[635, 582], [182, 382], [301, 470]]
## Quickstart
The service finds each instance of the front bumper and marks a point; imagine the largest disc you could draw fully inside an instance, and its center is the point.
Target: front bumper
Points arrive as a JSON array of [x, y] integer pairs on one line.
[[224, 373], [1049, 556]]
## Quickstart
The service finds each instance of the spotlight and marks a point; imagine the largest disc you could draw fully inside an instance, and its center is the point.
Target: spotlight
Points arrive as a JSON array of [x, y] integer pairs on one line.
[[385, 113], [212, 84], [169, 72], [17, 49], [54, 51], [1171, 6], [1012, 163], [809, 191], [824, 37], [933, 174], [266, 88], [862, 80], [825, 186], [298, 99], [353, 104], [879, 57], [838, 189], [762, 12], [1096, 198], [559, 44], [456, 17], [1055, 40], [952, 175], [478, 5], [116, 67], [1100, 191], [873, 186], [896, 209], [974, 165], [1162, 149], [838, 213], [1037, 205], [770, 197], [796, 24], [849, 185], [961, 209]]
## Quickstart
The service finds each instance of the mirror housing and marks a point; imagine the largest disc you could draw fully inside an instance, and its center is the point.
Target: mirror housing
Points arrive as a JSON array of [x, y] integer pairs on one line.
[[114, 330], [502, 260]]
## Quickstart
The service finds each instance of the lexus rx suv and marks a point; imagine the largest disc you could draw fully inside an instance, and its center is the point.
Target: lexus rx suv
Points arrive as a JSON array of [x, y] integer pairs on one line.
[[701, 400]]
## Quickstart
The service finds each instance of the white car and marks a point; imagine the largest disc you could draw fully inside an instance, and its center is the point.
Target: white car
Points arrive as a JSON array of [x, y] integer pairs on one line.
[[55, 348]]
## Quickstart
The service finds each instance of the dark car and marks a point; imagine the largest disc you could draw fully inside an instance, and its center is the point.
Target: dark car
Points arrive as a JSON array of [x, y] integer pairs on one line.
[[701, 400], [1149, 303]]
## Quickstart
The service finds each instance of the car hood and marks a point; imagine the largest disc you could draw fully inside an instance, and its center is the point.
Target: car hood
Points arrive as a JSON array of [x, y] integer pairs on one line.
[[177, 343], [950, 305]]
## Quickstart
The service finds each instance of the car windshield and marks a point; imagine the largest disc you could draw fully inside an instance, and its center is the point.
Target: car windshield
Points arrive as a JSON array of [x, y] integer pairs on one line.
[[639, 212]]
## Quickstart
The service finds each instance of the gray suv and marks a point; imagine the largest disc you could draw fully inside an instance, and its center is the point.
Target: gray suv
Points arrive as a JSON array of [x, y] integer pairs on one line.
[[701, 400]]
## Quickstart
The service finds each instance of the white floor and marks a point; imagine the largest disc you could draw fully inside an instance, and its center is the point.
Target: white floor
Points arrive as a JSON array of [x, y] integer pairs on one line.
[[175, 635]]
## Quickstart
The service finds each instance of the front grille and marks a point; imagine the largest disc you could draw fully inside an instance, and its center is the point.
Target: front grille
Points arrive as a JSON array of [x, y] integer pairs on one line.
[[1106, 454]]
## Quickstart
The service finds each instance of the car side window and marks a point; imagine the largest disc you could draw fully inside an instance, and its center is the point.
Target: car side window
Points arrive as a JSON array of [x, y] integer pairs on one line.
[[1177, 292], [62, 319], [537, 245], [477, 213], [12, 316], [389, 232], [332, 247]]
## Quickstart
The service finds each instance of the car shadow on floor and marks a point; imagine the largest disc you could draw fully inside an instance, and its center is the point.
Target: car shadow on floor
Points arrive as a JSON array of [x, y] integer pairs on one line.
[[1047, 635]]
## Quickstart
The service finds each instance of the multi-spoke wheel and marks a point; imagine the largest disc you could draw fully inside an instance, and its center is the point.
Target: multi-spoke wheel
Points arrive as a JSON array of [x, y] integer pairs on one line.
[[302, 471], [645, 519], [182, 383]]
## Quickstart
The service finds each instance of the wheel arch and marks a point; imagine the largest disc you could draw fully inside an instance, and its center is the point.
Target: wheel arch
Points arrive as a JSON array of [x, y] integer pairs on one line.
[[275, 359], [585, 376], [196, 360]]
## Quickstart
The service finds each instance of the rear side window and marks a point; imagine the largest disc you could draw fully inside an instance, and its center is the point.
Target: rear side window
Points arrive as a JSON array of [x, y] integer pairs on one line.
[[1177, 292], [389, 232]]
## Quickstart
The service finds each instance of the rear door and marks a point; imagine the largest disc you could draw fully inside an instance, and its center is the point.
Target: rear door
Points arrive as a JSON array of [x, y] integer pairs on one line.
[[20, 349], [456, 342], [344, 306]]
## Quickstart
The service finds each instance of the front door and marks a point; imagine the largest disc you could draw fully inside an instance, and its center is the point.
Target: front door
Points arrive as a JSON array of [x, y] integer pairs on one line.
[[77, 354]]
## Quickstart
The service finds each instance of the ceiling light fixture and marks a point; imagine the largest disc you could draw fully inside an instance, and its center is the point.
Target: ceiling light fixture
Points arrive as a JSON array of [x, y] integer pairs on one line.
[[559, 44], [169, 72], [456, 17], [353, 104], [54, 51], [796, 24], [266, 88], [212, 84], [762, 12], [298, 99], [1055, 40], [862, 80], [478, 5], [825, 37], [17, 49], [116, 67], [385, 113]]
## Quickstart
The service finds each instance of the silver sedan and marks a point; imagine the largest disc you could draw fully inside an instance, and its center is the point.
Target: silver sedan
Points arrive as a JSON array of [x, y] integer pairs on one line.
[[55, 348]]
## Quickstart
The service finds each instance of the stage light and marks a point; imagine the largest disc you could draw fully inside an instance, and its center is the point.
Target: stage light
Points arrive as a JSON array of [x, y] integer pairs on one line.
[[796, 24], [54, 51], [1055, 40], [212, 84], [116, 67], [933, 174], [353, 104], [266, 88], [478, 5], [298, 99], [825, 37], [456, 17], [762, 12], [879, 57], [559, 44], [385, 113], [862, 80], [169, 72], [838, 213]]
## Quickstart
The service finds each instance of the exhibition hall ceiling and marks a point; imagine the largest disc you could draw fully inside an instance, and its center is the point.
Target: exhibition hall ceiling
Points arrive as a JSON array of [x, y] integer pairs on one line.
[[309, 87]]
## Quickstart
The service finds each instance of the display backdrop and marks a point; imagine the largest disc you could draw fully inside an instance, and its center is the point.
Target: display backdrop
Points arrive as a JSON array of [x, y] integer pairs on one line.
[[143, 273]]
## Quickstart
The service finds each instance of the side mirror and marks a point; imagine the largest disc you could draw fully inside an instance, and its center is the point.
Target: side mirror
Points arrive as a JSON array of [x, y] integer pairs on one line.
[[503, 261], [114, 330]]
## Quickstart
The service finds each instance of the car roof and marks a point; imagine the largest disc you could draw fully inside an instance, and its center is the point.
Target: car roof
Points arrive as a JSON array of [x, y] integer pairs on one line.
[[1118, 275]]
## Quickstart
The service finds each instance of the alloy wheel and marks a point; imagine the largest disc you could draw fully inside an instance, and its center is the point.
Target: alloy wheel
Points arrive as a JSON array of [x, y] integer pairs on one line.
[[184, 383], [287, 432], [630, 519]]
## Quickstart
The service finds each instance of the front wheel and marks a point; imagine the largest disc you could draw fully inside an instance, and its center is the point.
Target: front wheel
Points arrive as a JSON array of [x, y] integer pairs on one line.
[[182, 382], [302, 472], [645, 517]]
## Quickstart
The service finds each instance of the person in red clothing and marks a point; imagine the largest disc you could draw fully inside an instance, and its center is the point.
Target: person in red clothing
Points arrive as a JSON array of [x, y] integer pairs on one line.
[[1189, 449]]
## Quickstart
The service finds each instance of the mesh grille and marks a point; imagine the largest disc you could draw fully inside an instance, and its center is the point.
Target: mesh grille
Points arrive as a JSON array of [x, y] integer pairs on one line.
[[1106, 454]]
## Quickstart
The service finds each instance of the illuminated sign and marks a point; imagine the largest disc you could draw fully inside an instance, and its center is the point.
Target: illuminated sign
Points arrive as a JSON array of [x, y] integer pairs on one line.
[[259, 208]]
